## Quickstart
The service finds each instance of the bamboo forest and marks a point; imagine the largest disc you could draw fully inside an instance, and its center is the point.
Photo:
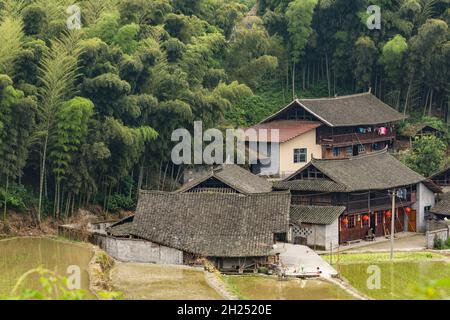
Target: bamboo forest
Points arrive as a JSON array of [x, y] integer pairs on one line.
[[86, 114]]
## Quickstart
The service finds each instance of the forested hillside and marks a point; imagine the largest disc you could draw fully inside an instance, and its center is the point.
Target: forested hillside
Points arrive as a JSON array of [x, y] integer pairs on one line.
[[86, 115]]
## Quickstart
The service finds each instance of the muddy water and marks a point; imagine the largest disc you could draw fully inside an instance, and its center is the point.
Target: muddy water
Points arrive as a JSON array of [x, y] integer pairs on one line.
[[19, 255], [270, 288], [398, 280], [157, 282]]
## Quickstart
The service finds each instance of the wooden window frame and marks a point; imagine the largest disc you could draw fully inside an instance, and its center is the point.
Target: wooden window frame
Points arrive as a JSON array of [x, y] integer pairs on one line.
[[300, 155]]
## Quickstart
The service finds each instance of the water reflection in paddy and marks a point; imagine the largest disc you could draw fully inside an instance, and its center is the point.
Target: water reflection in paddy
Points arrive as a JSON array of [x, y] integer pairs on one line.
[[18, 255]]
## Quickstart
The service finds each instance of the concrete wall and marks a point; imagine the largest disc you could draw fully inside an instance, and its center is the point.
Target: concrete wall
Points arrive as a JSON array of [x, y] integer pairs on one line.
[[322, 237], [135, 250], [425, 198], [442, 234], [306, 140]]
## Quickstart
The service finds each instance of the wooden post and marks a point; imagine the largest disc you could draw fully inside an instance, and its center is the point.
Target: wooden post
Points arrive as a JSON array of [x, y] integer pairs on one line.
[[392, 225]]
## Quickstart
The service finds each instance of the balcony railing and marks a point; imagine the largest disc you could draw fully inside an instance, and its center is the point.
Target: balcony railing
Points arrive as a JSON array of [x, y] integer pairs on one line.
[[356, 138], [352, 206]]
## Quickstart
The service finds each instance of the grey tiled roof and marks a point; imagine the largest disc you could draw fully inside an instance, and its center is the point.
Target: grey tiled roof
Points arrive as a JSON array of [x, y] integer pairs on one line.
[[323, 185], [212, 224], [375, 171], [121, 228], [234, 176], [315, 214], [351, 110], [443, 206]]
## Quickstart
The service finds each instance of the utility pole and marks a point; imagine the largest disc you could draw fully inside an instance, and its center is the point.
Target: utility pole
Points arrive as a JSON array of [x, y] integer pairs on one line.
[[392, 224]]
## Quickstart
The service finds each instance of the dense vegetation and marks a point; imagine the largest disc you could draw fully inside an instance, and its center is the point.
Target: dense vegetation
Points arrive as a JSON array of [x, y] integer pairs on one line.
[[86, 115]]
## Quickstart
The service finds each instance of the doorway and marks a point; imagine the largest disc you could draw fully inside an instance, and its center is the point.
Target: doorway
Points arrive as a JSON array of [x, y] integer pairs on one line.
[[412, 221]]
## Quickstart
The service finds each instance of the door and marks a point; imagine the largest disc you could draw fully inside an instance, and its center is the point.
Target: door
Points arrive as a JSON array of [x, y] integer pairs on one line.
[[372, 223], [412, 217]]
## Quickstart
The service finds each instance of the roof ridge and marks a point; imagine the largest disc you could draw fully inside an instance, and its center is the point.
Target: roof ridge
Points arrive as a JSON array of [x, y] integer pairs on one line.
[[335, 98]]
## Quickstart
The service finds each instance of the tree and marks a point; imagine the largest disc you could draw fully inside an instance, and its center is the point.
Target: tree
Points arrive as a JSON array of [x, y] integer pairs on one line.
[[365, 57], [427, 155], [299, 16], [11, 39], [58, 72], [71, 129], [16, 122], [392, 57]]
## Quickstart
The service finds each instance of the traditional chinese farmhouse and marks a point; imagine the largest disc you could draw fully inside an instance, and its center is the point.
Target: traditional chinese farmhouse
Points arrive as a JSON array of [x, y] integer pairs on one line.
[[442, 208], [442, 178], [340, 200], [227, 215], [415, 130], [329, 128]]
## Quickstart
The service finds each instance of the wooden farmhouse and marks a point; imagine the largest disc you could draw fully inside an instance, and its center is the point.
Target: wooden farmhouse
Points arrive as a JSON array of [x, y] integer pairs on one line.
[[227, 215], [441, 210], [407, 135], [329, 128], [340, 200], [442, 178]]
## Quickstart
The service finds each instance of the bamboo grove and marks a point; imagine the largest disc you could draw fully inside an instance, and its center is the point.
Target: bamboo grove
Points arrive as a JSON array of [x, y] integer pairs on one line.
[[86, 115]]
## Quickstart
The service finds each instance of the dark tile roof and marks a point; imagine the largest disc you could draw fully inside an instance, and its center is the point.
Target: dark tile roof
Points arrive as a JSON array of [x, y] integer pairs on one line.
[[438, 173], [413, 129], [288, 129], [374, 171], [351, 110], [322, 185], [443, 206], [315, 214], [212, 224], [121, 228], [235, 177]]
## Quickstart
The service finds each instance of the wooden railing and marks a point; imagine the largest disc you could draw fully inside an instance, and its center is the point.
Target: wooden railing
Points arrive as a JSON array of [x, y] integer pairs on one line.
[[356, 138], [356, 205]]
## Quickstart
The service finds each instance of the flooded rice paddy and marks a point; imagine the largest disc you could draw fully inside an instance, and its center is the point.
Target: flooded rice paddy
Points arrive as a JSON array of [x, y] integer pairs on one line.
[[400, 280], [19, 255], [158, 282], [412, 275], [270, 288]]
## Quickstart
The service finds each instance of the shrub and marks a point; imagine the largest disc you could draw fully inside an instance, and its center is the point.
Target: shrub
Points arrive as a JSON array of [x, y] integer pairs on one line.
[[120, 202], [263, 270]]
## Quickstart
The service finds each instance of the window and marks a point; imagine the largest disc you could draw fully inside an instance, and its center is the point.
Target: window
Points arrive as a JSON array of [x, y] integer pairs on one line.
[[379, 218], [427, 209], [300, 155], [351, 222], [336, 152], [349, 151], [361, 149]]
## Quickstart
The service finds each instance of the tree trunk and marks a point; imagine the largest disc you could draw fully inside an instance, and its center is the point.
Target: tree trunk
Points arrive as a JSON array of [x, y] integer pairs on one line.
[[41, 179], [6, 198], [293, 80], [407, 96], [328, 74], [431, 102]]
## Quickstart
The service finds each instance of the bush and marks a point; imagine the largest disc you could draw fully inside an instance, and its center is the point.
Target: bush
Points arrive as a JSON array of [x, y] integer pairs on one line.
[[120, 202], [17, 198], [264, 270], [440, 244]]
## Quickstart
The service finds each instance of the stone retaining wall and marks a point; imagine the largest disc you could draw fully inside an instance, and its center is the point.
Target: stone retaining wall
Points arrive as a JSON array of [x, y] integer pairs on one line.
[[443, 234], [123, 249]]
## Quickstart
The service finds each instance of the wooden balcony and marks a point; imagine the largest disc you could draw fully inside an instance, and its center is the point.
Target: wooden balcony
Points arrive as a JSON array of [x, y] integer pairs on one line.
[[357, 206], [355, 138]]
